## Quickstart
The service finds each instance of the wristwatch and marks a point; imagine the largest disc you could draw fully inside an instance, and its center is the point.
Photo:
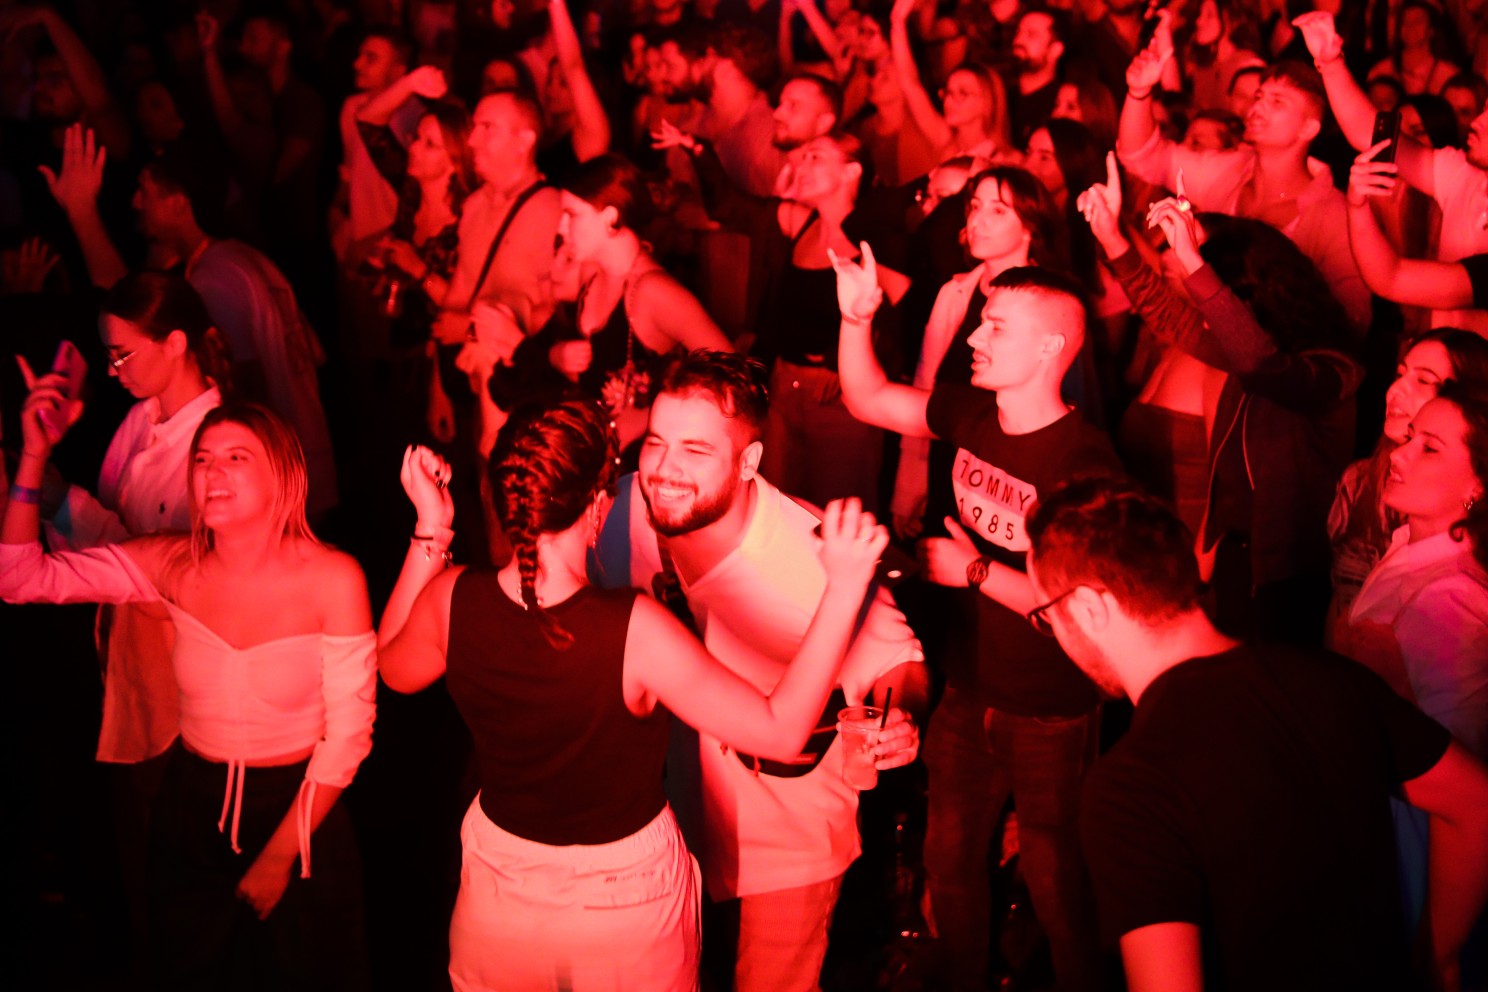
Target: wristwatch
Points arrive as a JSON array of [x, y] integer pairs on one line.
[[976, 571]]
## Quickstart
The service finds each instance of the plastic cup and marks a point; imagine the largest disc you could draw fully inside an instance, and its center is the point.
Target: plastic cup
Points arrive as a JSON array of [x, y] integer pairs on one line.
[[858, 728]]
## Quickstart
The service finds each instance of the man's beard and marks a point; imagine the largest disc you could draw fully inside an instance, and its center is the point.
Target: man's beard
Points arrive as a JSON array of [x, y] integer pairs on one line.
[[703, 510]]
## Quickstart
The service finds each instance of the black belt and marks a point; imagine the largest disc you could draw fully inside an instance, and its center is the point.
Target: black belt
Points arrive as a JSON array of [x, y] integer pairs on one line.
[[816, 745]]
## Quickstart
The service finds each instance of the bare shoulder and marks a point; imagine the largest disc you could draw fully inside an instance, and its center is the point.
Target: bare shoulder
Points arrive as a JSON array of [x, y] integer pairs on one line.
[[335, 580]]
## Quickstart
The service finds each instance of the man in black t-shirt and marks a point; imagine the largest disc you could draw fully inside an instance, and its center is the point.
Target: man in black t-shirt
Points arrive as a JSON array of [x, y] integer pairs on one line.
[[1022, 718], [1239, 836]]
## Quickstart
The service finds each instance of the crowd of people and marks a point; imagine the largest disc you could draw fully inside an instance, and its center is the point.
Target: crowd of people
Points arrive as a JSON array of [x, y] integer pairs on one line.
[[1082, 405]]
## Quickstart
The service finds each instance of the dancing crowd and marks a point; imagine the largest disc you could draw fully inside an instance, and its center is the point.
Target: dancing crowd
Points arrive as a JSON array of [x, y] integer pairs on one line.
[[1075, 411]]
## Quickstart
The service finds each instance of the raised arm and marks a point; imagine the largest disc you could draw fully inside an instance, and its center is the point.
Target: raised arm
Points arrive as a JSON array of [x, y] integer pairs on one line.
[[821, 30], [99, 108], [926, 117], [1413, 281], [75, 189], [229, 118], [1350, 105], [413, 638], [426, 81], [109, 574], [591, 134], [866, 390], [1143, 77], [665, 663]]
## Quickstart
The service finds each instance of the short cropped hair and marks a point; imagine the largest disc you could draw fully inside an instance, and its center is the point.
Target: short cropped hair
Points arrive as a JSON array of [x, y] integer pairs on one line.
[[1303, 77], [1044, 282], [198, 172], [829, 90], [1109, 534], [736, 383]]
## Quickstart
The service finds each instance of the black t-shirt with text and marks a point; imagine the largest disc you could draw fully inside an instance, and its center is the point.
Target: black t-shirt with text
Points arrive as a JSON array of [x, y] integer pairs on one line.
[[1250, 798], [996, 478]]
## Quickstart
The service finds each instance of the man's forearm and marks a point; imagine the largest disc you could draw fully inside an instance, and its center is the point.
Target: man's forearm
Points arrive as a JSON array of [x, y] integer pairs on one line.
[[1351, 107], [105, 265], [1136, 125]]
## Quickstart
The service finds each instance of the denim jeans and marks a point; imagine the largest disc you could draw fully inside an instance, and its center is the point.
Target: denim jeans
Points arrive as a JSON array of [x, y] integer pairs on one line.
[[976, 757]]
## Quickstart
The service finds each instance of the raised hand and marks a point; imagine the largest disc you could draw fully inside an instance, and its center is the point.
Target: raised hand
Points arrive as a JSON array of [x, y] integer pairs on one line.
[[1321, 36], [428, 81], [25, 270], [76, 186], [207, 31], [852, 543], [1100, 205], [1146, 70], [1368, 178], [425, 477], [858, 292], [47, 414], [902, 10], [669, 135], [1175, 216]]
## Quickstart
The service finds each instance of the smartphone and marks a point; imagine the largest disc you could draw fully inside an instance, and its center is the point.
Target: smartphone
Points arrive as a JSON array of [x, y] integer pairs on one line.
[[1149, 23], [1386, 128], [70, 364]]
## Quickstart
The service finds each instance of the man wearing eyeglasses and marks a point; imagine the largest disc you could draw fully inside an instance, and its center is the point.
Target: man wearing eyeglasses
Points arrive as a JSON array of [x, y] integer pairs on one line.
[[1240, 835], [1019, 718]]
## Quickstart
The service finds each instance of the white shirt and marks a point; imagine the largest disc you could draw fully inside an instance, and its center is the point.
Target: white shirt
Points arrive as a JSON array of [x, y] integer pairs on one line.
[[1461, 191], [1435, 596], [142, 487], [763, 833]]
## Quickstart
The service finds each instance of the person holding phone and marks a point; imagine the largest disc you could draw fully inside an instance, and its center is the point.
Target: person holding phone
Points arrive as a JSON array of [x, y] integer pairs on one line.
[[164, 351]]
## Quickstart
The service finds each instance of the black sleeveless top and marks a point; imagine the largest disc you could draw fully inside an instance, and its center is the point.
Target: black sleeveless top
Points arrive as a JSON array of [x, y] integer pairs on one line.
[[562, 761], [807, 316]]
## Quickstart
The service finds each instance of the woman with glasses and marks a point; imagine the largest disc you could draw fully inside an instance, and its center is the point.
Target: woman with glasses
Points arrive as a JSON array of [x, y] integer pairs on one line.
[[574, 872], [973, 116], [164, 351]]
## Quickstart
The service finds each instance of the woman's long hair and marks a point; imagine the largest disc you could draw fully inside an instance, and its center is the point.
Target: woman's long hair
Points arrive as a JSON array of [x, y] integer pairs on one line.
[[454, 127], [548, 465], [1473, 405], [1082, 163], [157, 303], [1034, 207], [1281, 285], [286, 462]]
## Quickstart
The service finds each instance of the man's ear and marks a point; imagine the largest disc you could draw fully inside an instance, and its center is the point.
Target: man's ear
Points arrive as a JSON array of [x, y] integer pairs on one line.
[[1052, 346], [1089, 609], [749, 460], [854, 171], [611, 217], [825, 123], [1056, 51], [1312, 129]]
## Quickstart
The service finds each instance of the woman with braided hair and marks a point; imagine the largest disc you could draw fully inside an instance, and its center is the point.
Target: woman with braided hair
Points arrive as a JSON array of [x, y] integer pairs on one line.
[[575, 875]]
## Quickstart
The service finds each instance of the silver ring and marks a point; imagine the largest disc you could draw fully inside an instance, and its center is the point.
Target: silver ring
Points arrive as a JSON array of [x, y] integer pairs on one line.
[[1185, 204]]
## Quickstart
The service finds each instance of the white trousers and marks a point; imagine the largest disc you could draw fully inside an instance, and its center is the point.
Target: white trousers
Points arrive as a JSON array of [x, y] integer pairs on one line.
[[604, 917]]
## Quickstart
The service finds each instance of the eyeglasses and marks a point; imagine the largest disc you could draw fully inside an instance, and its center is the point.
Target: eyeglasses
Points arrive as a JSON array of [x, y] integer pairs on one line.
[[118, 363], [1040, 621]]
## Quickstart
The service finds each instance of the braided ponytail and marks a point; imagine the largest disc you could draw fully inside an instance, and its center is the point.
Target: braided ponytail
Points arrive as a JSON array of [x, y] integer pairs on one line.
[[548, 464]]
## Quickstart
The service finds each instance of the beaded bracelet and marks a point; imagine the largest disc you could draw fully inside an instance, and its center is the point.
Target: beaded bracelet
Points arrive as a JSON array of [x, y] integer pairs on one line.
[[25, 494], [432, 549]]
